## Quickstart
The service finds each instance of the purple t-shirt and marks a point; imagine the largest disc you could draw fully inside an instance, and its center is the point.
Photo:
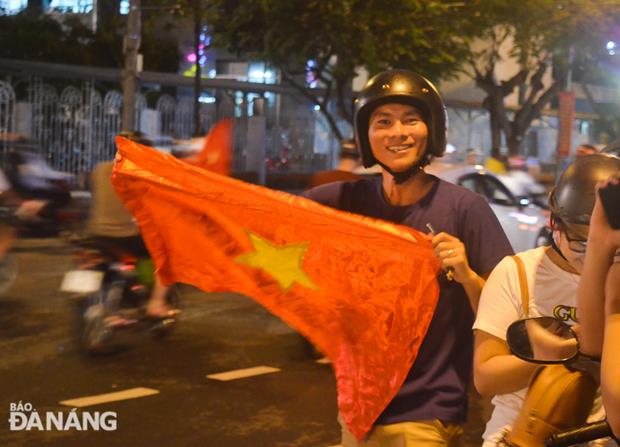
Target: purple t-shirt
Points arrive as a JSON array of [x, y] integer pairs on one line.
[[436, 386]]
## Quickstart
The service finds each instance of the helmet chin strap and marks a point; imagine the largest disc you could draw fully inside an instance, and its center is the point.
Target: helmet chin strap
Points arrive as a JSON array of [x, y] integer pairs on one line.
[[555, 246], [402, 176]]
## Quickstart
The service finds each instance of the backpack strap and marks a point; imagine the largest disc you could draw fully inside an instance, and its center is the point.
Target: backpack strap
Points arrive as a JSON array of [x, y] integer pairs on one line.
[[525, 292]]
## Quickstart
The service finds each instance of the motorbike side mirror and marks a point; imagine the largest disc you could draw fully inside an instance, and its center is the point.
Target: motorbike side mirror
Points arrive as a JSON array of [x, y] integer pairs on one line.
[[542, 340]]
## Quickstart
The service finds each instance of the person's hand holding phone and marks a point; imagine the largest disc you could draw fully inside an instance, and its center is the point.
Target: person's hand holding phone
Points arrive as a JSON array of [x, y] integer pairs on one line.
[[610, 199], [605, 220]]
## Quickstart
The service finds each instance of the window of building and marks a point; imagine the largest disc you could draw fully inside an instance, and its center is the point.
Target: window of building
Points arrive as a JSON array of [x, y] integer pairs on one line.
[[10, 7], [72, 6]]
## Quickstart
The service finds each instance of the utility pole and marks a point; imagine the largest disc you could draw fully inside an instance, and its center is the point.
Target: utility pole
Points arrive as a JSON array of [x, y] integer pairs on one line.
[[131, 46], [197, 15]]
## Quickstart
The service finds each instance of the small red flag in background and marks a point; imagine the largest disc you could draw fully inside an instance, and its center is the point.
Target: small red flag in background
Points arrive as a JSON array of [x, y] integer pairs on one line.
[[216, 153], [362, 290]]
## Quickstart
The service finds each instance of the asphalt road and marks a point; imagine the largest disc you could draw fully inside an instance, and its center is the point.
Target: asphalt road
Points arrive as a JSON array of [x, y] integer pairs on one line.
[[42, 365]]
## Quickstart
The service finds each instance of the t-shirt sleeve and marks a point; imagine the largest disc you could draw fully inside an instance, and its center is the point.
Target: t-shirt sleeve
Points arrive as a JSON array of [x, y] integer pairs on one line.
[[500, 301], [485, 240], [328, 194]]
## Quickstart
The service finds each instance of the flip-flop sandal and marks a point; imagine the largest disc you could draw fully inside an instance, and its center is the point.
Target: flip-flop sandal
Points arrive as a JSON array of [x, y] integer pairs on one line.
[[170, 314]]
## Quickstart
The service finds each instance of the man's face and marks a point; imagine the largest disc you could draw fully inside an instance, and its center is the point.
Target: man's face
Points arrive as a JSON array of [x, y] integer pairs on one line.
[[398, 136]]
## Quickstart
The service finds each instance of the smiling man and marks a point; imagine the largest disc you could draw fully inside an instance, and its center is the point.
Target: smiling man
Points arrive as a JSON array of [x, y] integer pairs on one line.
[[400, 124]]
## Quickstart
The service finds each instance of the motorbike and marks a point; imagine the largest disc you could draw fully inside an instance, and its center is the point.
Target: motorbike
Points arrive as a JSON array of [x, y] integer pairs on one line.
[[32, 178], [17, 216], [548, 341], [111, 289]]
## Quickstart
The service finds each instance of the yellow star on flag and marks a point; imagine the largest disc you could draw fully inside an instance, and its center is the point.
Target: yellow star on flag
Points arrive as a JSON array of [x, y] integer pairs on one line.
[[283, 262]]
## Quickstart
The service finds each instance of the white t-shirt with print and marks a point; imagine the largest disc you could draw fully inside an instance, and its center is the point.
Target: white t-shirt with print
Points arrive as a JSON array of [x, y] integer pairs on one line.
[[553, 292]]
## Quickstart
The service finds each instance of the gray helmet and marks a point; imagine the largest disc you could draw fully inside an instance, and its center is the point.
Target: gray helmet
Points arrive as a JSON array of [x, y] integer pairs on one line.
[[405, 87], [572, 198]]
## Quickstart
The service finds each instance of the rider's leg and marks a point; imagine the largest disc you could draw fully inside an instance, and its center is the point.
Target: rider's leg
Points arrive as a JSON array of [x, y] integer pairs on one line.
[[158, 304]]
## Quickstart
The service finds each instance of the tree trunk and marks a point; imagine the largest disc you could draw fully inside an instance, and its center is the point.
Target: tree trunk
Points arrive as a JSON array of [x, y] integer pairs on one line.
[[498, 115], [35, 7], [345, 98], [493, 104], [514, 142]]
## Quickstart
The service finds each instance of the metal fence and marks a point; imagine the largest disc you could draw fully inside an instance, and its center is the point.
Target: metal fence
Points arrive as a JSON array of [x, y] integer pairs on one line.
[[75, 126], [7, 112], [74, 112]]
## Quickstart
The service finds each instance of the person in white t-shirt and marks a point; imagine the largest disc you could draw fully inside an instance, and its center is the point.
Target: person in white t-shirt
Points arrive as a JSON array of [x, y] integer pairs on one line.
[[553, 275]]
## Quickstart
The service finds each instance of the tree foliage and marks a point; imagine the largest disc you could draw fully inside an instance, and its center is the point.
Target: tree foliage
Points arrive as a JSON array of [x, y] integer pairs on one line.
[[33, 37], [339, 37], [41, 37], [194, 11], [542, 38]]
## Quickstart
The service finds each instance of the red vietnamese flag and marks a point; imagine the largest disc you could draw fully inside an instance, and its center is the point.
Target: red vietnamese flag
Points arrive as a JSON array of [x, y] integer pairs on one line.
[[217, 149], [362, 290]]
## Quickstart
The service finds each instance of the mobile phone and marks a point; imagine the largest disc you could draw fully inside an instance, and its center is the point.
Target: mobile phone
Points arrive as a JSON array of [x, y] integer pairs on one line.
[[610, 199]]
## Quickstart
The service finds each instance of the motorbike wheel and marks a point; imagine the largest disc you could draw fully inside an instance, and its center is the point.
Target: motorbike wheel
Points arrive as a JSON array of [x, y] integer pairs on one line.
[[9, 268], [96, 335]]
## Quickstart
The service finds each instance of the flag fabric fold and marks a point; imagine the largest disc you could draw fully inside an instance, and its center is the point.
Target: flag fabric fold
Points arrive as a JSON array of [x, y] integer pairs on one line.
[[362, 290]]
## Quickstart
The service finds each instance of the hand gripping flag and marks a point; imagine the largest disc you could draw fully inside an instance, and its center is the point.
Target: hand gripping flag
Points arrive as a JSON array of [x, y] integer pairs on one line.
[[362, 290]]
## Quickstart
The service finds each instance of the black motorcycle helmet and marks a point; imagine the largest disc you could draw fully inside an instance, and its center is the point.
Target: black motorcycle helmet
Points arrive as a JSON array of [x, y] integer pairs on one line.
[[572, 199], [405, 87]]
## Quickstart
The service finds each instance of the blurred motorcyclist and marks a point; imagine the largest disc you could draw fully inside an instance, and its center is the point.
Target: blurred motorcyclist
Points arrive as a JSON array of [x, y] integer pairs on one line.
[[33, 179], [114, 227], [21, 203], [14, 211]]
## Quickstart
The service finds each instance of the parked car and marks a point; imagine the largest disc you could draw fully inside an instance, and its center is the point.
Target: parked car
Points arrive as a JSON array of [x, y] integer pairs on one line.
[[524, 223], [525, 188]]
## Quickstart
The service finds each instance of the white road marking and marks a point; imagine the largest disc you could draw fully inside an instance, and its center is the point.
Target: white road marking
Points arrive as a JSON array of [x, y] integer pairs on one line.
[[132, 393], [242, 373], [324, 360]]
